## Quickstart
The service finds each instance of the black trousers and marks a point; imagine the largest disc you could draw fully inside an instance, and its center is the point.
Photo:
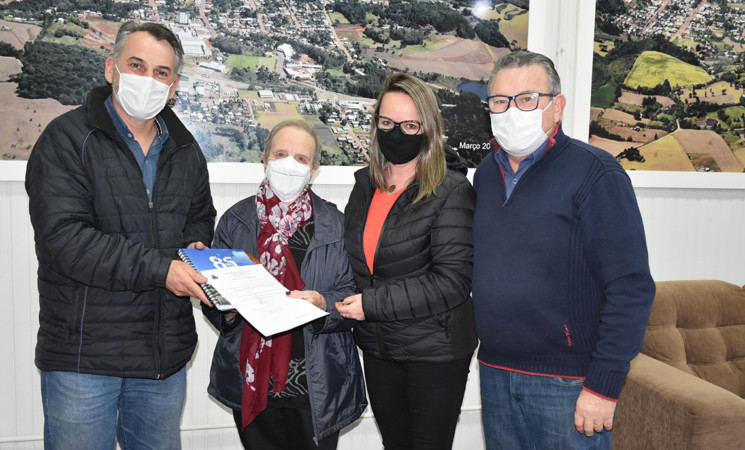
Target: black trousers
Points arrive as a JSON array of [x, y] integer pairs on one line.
[[416, 404], [282, 429]]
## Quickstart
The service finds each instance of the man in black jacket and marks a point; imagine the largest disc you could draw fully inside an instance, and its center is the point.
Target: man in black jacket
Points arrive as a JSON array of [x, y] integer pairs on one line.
[[116, 187]]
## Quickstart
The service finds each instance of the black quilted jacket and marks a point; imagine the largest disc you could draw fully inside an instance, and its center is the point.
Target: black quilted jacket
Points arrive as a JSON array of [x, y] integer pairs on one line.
[[104, 250], [418, 302]]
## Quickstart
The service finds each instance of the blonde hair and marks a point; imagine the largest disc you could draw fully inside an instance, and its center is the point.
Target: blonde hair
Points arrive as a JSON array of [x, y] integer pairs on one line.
[[301, 125], [431, 168]]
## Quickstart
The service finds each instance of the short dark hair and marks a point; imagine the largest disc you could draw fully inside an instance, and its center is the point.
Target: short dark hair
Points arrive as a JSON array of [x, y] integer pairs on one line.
[[525, 58], [156, 30]]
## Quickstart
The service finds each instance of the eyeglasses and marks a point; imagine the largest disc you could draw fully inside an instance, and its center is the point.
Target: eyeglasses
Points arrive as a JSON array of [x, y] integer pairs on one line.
[[527, 101], [407, 126]]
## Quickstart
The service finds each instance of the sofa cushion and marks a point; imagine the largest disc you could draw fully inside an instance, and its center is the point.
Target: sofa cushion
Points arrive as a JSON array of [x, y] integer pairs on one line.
[[699, 327]]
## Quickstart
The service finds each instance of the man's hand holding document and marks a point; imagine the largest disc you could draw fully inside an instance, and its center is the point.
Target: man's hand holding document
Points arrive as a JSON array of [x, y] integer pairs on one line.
[[251, 290]]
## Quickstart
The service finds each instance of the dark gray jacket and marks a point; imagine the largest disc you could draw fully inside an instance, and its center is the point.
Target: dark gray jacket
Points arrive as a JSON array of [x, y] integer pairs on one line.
[[104, 249], [417, 303], [334, 373]]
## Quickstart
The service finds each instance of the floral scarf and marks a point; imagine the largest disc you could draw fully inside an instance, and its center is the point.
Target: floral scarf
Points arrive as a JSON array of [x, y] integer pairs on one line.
[[264, 357]]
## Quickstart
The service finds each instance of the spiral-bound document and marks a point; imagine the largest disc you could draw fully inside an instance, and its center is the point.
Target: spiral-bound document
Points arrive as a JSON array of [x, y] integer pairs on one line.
[[214, 258]]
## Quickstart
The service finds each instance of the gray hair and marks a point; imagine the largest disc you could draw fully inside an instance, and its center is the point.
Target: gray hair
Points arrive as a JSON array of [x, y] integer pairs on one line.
[[156, 30], [301, 125], [525, 58]]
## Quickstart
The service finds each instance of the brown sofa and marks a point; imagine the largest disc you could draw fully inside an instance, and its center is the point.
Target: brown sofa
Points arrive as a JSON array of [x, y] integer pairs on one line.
[[686, 390]]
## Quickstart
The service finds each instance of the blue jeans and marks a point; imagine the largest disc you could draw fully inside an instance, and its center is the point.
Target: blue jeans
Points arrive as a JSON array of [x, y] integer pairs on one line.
[[522, 411], [83, 411]]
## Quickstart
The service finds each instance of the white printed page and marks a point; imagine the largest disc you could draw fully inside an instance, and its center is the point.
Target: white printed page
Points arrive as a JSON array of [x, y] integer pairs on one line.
[[261, 299]]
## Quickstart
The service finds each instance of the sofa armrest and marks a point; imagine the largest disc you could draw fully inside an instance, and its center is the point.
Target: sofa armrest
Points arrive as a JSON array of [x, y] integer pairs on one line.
[[663, 407]]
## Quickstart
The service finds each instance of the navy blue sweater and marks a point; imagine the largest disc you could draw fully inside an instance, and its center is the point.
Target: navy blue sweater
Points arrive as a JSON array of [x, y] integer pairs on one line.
[[561, 280]]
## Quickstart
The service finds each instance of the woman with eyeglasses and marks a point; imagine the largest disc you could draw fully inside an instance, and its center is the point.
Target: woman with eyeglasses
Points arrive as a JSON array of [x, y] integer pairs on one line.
[[408, 236]]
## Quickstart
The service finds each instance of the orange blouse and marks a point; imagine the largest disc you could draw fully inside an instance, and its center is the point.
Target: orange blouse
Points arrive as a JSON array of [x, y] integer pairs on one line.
[[380, 206]]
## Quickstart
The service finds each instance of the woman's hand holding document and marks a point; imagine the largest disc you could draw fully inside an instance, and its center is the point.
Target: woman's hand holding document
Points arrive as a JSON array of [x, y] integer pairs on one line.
[[261, 299], [255, 294]]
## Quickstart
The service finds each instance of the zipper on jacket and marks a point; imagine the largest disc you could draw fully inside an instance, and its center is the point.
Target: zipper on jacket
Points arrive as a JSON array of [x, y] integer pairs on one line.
[[308, 337], [378, 331], [158, 322], [153, 226], [165, 157], [157, 325], [157, 328], [157, 340], [382, 230]]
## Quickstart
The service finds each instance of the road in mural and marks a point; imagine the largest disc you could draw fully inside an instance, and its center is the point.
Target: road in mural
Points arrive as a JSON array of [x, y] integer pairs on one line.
[[252, 63], [668, 83]]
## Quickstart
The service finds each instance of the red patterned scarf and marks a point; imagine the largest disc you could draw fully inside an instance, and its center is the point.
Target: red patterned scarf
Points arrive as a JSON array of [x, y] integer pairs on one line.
[[262, 357]]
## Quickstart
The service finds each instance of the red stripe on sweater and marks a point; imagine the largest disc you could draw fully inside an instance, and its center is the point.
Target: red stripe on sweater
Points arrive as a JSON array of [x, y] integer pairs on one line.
[[509, 369]]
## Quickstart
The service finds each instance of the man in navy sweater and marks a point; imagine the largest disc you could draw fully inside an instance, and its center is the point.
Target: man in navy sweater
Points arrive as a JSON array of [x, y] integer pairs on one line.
[[561, 287]]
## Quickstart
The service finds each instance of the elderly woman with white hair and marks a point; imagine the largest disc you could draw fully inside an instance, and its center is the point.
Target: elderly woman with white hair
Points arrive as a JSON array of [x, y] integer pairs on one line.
[[298, 389]]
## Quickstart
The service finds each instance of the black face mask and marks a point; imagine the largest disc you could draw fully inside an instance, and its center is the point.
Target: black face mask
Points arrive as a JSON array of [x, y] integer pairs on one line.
[[399, 147]]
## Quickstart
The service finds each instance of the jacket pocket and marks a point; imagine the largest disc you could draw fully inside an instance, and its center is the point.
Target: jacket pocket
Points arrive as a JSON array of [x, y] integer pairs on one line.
[[78, 319], [444, 320]]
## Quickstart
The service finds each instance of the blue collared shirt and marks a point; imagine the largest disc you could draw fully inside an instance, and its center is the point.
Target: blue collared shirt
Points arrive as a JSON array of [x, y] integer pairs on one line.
[[510, 177], [148, 163]]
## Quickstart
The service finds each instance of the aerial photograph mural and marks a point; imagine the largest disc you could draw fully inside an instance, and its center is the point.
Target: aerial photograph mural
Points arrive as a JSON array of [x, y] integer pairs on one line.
[[667, 84], [252, 63]]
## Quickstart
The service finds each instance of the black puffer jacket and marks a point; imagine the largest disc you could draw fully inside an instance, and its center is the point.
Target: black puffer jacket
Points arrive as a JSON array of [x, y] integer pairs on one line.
[[104, 250], [418, 303]]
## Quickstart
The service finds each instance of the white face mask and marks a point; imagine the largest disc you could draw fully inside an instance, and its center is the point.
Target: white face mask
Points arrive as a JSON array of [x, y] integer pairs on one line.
[[518, 132], [141, 97], [287, 177]]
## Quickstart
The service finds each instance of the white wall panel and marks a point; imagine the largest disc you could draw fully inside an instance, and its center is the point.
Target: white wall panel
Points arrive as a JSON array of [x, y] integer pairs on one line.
[[563, 31], [20, 397], [695, 234]]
